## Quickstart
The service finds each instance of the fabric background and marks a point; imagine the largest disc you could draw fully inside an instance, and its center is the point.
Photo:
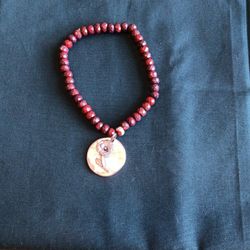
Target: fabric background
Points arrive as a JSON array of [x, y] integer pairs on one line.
[[186, 183]]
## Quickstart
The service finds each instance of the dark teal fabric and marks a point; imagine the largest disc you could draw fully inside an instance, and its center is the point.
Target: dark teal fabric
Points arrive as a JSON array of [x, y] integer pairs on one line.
[[186, 182]]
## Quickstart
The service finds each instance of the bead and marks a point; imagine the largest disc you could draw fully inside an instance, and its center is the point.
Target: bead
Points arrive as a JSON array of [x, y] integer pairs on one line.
[[91, 29], [155, 80], [111, 132], [64, 49], [64, 55], [132, 27], [95, 120], [90, 115], [72, 38], [77, 98], [138, 38], [125, 125], [82, 103], [65, 68], [131, 121], [69, 80], [124, 26], [78, 34], [64, 61], [137, 117], [135, 32], [68, 73], [118, 27], [155, 87], [146, 106], [99, 125], [142, 43], [120, 131], [104, 27], [142, 111], [84, 31], [86, 109], [150, 100], [105, 128], [155, 94], [151, 67], [74, 92], [68, 44], [146, 56], [149, 61], [111, 28], [144, 49], [152, 74], [70, 86], [98, 29]]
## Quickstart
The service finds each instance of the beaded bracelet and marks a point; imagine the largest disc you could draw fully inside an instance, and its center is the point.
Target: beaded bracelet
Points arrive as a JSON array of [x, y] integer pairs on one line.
[[106, 156]]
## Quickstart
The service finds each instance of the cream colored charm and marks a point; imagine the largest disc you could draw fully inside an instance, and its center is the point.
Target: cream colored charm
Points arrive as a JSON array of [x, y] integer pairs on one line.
[[106, 156]]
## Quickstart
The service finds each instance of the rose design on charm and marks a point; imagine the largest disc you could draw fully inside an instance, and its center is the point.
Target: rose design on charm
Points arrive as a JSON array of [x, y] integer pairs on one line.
[[104, 148]]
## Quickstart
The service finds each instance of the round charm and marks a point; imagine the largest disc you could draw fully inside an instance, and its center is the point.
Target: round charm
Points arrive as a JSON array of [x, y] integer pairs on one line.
[[106, 156]]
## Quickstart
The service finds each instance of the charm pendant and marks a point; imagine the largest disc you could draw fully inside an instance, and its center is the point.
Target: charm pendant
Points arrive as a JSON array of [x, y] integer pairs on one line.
[[106, 156]]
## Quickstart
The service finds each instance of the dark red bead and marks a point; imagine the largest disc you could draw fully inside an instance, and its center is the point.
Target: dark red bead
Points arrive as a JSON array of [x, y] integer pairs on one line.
[[99, 125], [70, 86], [135, 32], [65, 68], [125, 125], [118, 27], [68, 44], [72, 38], [150, 100], [68, 73], [155, 80], [155, 87], [64, 61], [151, 67], [149, 61], [147, 55], [132, 27], [131, 121], [142, 111], [111, 28], [137, 117], [95, 120], [142, 43], [111, 132], [74, 92], [105, 128], [64, 49], [124, 26], [152, 74], [146, 106], [155, 94], [82, 103], [77, 98], [69, 80], [64, 55], [91, 29], [138, 38], [98, 28], [104, 27], [84, 31], [90, 115], [120, 131], [144, 49], [78, 34], [86, 109]]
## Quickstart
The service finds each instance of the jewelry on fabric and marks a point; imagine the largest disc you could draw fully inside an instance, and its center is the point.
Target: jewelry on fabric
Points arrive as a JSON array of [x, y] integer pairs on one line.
[[106, 156]]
